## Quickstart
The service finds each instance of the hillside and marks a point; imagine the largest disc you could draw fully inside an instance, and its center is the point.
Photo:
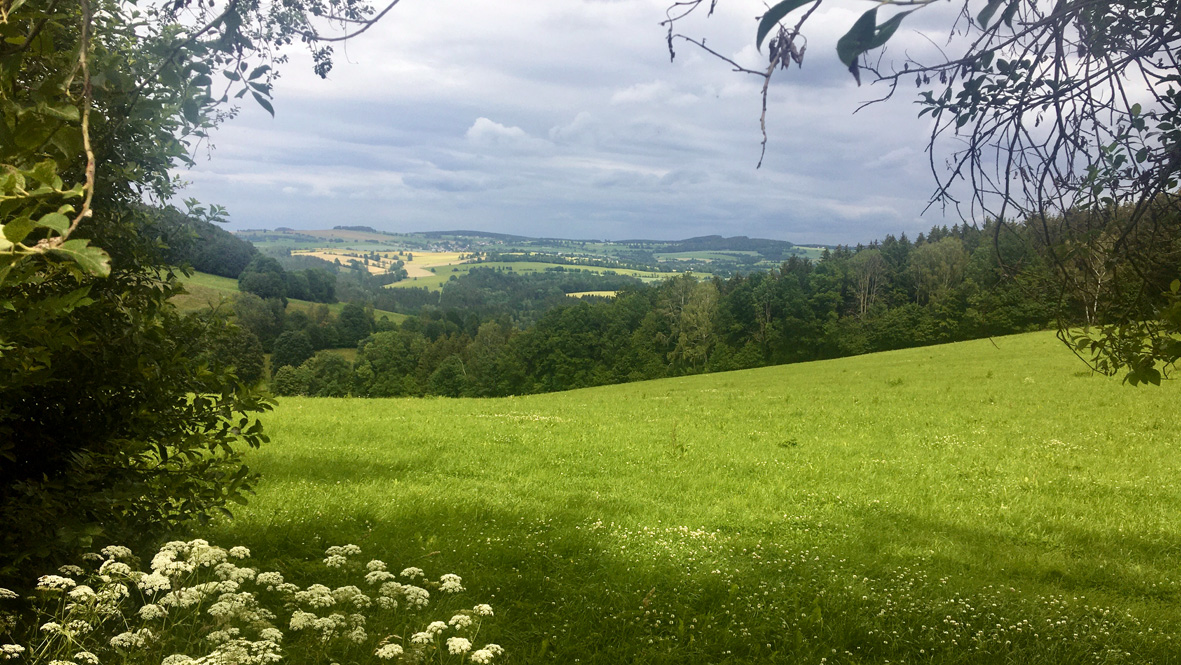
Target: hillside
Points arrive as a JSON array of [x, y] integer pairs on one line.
[[206, 290], [987, 501]]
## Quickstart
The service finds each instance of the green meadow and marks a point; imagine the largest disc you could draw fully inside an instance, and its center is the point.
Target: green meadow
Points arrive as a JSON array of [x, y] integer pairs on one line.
[[981, 502]]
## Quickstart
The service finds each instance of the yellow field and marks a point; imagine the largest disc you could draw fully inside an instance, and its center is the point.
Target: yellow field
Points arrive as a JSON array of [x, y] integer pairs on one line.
[[345, 255]]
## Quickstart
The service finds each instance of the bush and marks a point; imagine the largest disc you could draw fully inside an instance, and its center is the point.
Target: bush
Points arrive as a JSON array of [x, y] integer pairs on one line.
[[292, 348]]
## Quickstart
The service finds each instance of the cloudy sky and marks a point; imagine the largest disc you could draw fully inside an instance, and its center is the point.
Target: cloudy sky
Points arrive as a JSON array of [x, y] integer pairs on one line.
[[565, 118]]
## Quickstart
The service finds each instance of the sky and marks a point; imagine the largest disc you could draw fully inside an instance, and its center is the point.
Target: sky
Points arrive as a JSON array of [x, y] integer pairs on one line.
[[566, 118]]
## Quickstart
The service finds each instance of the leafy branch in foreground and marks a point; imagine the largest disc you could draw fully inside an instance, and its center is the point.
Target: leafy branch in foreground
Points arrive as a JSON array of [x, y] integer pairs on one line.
[[115, 419], [1063, 116]]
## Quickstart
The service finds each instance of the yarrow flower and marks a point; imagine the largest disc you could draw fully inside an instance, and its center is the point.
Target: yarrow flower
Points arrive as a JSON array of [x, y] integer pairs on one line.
[[450, 583], [374, 565], [82, 593], [460, 621], [270, 580], [388, 651], [178, 659], [413, 572], [70, 569], [481, 656], [239, 552], [483, 609], [51, 627], [86, 658], [154, 583], [113, 567], [55, 582], [11, 651], [151, 612], [458, 645], [116, 552], [271, 634], [130, 640], [436, 627], [422, 638], [7, 594]]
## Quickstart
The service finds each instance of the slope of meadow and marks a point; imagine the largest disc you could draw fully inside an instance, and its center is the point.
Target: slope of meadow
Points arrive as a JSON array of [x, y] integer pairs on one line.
[[987, 501]]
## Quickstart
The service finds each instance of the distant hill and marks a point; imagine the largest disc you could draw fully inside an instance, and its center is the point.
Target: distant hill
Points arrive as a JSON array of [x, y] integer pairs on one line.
[[733, 244]]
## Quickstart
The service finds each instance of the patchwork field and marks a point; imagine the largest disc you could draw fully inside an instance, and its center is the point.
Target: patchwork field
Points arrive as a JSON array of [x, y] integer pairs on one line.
[[442, 273], [983, 502]]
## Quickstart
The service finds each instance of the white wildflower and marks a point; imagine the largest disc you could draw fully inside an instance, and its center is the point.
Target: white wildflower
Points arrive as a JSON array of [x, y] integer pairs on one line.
[[71, 569], [375, 565], [228, 571], [178, 659], [494, 648], [62, 662], [344, 550], [154, 583], [450, 583], [421, 638], [7, 594], [389, 651], [287, 588], [130, 640], [436, 627], [82, 593], [351, 594], [11, 651], [92, 556], [116, 552], [358, 635], [86, 658], [53, 582], [240, 552], [416, 596], [481, 656], [151, 612], [78, 627], [301, 620], [387, 603], [460, 621], [112, 568], [458, 645], [413, 572], [222, 636], [51, 627], [335, 560], [317, 595], [483, 609], [271, 580], [271, 635], [378, 576]]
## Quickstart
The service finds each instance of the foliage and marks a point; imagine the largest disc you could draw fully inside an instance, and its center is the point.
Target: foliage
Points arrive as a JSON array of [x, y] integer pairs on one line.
[[1061, 117], [115, 419], [201, 605], [291, 348]]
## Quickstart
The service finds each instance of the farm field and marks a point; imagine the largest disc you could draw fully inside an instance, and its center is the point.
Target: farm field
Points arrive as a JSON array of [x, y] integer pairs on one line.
[[206, 290], [981, 502]]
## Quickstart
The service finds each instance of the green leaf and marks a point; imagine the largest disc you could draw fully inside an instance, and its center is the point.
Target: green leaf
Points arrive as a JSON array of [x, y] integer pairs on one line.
[[91, 259], [886, 30], [773, 16], [262, 101], [258, 71], [985, 14], [18, 229], [1175, 286], [56, 221], [856, 41]]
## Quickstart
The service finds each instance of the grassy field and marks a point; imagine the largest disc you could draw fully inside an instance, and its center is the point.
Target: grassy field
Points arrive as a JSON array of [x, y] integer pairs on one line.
[[970, 503], [205, 290]]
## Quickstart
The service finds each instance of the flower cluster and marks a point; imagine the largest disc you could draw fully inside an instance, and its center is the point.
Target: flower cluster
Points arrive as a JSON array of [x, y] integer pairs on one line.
[[199, 604]]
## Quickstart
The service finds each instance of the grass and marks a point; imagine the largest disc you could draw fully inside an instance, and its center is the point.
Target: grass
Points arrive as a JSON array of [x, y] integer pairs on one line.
[[205, 290], [968, 503]]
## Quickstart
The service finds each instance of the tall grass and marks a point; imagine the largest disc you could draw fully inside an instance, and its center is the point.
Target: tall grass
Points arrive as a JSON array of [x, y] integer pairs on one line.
[[981, 502]]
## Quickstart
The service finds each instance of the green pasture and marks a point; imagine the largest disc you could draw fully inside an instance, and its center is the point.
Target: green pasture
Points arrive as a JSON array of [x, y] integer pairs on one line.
[[205, 290], [444, 273], [982, 502]]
